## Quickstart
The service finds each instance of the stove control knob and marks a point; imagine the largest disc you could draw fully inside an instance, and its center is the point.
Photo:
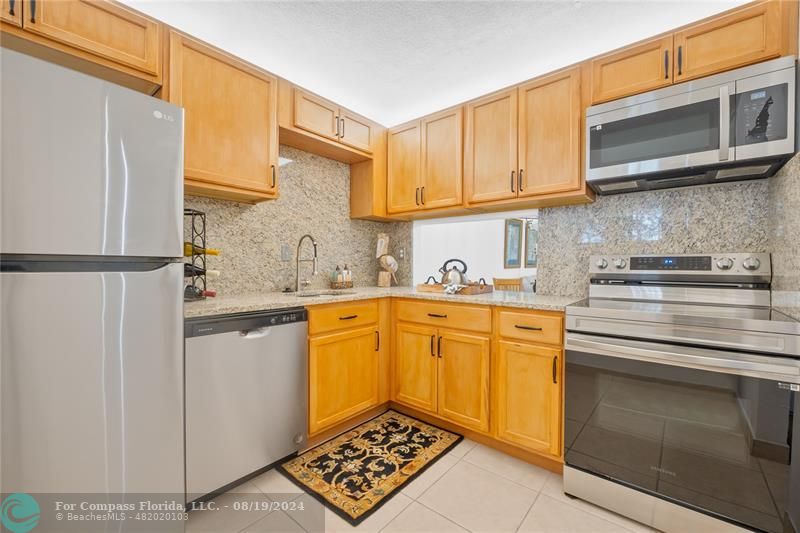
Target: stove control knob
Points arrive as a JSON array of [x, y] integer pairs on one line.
[[726, 263], [751, 263], [620, 263], [602, 264]]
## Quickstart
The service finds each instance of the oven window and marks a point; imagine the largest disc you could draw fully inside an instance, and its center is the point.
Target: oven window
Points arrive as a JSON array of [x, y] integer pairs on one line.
[[713, 441], [687, 129]]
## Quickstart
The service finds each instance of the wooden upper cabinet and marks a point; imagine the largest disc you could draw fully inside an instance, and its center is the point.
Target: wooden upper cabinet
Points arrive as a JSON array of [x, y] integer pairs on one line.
[[101, 28], [464, 379], [528, 389], [355, 131], [415, 366], [403, 168], [490, 147], [343, 376], [316, 115], [632, 70], [442, 159], [11, 12], [550, 134], [231, 127], [740, 38]]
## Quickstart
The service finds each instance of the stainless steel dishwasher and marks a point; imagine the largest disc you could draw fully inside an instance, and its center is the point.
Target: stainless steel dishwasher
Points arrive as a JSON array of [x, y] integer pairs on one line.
[[246, 396]]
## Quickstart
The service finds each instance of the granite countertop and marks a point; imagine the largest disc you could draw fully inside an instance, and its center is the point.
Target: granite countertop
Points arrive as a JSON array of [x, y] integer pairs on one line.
[[263, 301]]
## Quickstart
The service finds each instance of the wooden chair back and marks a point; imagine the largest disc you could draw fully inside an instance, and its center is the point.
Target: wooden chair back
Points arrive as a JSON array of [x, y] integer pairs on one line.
[[508, 284]]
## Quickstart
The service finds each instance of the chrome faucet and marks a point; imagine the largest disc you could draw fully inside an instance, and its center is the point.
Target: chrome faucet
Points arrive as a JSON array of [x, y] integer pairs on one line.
[[313, 260]]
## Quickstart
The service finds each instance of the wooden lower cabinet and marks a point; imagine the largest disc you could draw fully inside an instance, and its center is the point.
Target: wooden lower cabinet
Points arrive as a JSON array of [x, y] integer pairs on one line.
[[527, 383], [343, 376], [464, 379], [444, 373], [415, 366]]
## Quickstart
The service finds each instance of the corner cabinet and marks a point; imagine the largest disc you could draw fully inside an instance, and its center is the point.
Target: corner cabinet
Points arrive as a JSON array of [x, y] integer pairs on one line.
[[231, 124]]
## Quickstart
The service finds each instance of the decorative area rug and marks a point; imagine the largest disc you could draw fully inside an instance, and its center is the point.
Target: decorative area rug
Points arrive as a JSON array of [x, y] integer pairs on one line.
[[358, 471]]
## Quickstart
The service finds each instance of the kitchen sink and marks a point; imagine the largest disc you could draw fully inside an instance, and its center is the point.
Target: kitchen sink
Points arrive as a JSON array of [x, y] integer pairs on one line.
[[331, 292]]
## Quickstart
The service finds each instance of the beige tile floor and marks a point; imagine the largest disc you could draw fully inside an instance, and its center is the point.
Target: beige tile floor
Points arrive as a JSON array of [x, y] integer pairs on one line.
[[472, 488]]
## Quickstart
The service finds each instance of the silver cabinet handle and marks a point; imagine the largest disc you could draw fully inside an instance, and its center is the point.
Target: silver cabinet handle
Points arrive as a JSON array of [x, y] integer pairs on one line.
[[342, 120], [724, 123], [512, 181], [336, 118]]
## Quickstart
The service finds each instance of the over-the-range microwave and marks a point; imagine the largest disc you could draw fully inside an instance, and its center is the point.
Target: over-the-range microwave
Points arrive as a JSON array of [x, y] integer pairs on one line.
[[727, 127]]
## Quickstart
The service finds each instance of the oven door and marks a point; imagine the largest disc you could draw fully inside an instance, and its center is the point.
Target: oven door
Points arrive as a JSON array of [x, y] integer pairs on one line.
[[675, 132], [709, 430]]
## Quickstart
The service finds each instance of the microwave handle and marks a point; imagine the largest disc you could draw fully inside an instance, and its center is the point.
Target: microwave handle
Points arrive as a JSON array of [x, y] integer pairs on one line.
[[724, 123]]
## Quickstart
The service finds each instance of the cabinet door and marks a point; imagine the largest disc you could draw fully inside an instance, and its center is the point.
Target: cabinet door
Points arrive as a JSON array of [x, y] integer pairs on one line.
[[633, 70], [415, 366], [442, 159], [355, 131], [106, 29], [11, 12], [550, 134], [743, 37], [403, 168], [231, 124], [490, 149], [316, 115], [342, 376], [528, 392], [464, 379]]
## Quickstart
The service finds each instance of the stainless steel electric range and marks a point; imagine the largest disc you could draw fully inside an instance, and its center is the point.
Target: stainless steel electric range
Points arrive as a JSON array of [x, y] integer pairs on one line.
[[682, 394]]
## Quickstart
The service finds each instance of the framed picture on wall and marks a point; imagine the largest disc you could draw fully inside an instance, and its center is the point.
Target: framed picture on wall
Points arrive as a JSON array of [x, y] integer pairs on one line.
[[531, 242], [513, 243]]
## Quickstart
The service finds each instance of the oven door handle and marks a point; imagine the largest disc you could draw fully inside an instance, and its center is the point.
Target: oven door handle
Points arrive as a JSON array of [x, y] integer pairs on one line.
[[764, 367]]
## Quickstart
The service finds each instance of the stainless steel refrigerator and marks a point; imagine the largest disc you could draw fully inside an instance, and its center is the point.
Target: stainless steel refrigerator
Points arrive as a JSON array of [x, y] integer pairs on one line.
[[91, 372]]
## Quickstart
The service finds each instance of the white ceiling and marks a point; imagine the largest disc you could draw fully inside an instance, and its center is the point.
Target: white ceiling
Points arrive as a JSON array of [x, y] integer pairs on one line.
[[397, 60]]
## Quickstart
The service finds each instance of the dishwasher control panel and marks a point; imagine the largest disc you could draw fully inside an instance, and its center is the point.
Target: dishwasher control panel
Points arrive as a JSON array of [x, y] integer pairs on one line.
[[212, 325]]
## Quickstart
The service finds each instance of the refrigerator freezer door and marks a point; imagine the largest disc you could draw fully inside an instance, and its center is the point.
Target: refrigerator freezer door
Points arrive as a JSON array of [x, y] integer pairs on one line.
[[88, 167], [92, 382]]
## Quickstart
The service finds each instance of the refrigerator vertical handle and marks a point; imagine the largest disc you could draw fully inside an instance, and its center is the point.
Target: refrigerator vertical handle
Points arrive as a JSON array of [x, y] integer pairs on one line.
[[724, 123]]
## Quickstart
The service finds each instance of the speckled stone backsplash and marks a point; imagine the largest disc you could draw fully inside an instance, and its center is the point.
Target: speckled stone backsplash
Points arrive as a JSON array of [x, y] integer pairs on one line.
[[784, 235], [730, 217], [314, 198]]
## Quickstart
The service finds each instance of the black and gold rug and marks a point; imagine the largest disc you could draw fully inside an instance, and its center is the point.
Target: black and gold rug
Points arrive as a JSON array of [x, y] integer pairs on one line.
[[358, 471]]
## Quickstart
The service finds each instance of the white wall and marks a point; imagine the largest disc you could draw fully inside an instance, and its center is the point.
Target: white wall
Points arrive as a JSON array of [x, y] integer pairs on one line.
[[477, 240]]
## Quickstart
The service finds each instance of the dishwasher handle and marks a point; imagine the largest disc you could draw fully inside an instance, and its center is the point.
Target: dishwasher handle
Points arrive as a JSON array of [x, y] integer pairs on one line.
[[256, 333]]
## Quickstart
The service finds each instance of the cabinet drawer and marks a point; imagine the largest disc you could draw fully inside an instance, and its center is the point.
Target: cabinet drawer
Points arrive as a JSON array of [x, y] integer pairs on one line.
[[533, 327], [472, 318], [334, 317]]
